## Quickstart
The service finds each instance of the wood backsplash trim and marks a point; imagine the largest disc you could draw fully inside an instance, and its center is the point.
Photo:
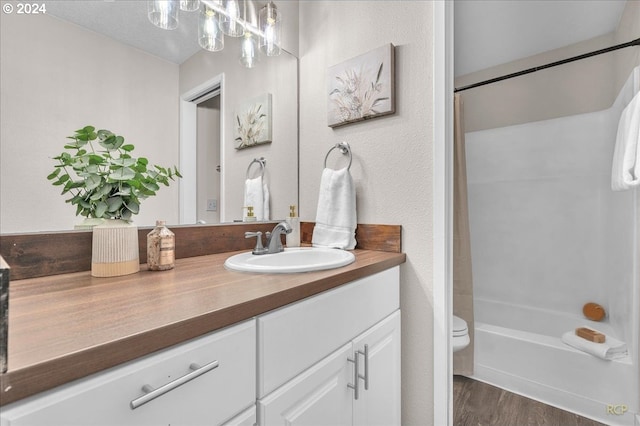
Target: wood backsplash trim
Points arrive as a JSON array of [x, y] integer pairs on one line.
[[40, 254], [368, 237]]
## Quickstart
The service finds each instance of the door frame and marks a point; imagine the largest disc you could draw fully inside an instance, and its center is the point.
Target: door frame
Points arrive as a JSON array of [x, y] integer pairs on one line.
[[442, 212], [189, 101]]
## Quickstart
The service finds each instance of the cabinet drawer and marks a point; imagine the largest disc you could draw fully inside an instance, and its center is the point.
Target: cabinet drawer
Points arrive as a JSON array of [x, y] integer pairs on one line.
[[297, 336], [105, 398]]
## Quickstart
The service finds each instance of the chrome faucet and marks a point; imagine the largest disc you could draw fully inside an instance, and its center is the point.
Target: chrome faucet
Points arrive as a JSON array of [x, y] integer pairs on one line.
[[274, 242]]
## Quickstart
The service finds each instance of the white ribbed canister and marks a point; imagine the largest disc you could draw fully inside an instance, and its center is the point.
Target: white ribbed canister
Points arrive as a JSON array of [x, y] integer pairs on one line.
[[115, 249]]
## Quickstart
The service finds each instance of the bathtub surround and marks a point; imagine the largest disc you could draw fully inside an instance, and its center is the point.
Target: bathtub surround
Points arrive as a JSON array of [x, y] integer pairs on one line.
[[549, 235], [462, 272]]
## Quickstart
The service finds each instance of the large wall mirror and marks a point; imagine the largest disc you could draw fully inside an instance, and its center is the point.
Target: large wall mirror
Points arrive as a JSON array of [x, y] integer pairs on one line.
[[102, 63]]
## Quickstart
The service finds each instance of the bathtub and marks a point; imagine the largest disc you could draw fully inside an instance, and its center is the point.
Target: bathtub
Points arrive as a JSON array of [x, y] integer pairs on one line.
[[519, 349]]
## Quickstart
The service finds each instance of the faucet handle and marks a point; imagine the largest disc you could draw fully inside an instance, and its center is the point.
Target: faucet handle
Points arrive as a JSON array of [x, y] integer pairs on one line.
[[259, 248]]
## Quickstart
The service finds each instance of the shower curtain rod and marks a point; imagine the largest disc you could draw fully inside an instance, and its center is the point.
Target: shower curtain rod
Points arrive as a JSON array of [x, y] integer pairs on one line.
[[635, 42]]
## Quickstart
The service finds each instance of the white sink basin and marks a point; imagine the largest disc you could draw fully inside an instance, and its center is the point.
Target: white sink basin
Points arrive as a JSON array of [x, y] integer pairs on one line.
[[291, 260]]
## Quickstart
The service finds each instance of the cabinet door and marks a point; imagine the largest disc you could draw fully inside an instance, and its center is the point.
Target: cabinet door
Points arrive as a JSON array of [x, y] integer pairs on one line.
[[246, 418], [380, 403], [319, 396], [105, 398], [297, 336]]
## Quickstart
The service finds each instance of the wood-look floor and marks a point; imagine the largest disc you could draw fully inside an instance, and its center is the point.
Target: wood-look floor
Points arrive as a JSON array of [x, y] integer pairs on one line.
[[479, 404]]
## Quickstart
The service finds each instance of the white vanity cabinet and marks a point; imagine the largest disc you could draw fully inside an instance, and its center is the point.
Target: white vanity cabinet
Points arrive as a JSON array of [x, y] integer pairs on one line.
[[314, 357], [221, 368], [329, 359]]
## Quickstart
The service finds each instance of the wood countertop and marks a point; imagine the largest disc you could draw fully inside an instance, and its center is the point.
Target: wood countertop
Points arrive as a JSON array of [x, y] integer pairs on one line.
[[68, 326]]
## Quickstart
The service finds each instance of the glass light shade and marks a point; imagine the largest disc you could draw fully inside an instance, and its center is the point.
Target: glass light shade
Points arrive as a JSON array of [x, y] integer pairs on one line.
[[271, 29], [163, 13], [189, 5], [229, 21], [249, 51], [210, 36]]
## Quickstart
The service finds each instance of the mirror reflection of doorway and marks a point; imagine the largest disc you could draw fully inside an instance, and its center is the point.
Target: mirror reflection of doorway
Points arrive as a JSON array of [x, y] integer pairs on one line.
[[201, 153], [208, 161]]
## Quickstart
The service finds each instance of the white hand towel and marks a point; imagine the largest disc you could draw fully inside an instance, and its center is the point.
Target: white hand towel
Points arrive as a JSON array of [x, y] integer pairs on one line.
[[256, 194], [336, 215], [625, 172], [612, 348]]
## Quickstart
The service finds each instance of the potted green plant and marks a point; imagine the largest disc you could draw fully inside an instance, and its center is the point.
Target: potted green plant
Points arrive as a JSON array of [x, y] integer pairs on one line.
[[106, 182]]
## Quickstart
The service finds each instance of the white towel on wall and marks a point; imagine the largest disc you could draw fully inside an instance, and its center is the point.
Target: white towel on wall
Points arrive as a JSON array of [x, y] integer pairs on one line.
[[625, 172], [612, 348], [336, 215], [256, 194]]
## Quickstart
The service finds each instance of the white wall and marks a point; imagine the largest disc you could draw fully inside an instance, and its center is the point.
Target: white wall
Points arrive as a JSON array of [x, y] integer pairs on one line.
[[392, 155], [57, 77]]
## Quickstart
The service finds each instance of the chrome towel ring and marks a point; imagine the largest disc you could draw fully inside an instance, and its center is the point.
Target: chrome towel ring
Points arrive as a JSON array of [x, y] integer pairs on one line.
[[262, 162], [344, 148]]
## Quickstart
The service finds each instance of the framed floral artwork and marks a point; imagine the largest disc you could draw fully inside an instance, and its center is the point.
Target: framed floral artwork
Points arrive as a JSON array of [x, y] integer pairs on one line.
[[362, 87], [252, 122]]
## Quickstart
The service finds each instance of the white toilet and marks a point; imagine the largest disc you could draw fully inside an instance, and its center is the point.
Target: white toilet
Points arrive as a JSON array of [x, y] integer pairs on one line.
[[459, 333]]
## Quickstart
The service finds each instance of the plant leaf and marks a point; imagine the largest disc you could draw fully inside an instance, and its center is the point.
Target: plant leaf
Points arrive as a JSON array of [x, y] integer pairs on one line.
[[132, 206], [92, 181], [101, 208], [61, 180], [114, 204], [124, 173], [123, 162], [151, 186], [54, 174]]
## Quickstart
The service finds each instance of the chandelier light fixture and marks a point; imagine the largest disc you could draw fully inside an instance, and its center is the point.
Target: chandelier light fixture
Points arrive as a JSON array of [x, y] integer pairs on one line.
[[210, 36], [270, 29], [164, 14], [260, 32]]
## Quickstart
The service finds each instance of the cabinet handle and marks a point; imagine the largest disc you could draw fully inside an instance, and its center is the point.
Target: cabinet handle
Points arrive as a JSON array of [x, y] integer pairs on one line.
[[151, 393], [356, 368], [354, 386]]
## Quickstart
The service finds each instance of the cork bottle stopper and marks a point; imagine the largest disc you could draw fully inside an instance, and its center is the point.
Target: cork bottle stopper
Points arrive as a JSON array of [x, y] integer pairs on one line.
[[593, 311]]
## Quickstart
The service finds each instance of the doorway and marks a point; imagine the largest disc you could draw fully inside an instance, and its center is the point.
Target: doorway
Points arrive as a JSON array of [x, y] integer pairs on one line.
[[201, 153], [208, 167]]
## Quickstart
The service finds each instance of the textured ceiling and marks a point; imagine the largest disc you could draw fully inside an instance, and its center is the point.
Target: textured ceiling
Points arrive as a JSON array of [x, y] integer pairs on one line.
[[126, 21]]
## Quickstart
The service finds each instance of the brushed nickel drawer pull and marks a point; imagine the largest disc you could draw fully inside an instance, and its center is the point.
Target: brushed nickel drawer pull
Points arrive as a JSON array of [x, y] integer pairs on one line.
[[356, 369], [151, 393]]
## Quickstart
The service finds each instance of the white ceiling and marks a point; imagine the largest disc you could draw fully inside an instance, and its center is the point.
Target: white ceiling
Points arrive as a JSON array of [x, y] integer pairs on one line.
[[126, 21], [487, 32], [494, 32]]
